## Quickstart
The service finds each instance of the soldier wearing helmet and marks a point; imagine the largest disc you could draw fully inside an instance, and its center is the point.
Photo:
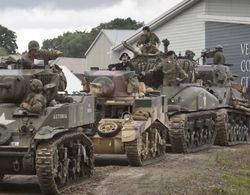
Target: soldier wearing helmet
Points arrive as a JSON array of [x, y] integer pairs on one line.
[[35, 102], [189, 55], [219, 57], [35, 53]]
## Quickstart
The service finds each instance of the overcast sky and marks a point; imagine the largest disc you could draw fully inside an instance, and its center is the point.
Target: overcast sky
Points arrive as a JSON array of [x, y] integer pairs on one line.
[[45, 19]]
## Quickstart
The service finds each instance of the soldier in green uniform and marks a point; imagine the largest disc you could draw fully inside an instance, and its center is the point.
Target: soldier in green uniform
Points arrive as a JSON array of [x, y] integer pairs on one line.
[[189, 55], [28, 58], [171, 69], [219, 58], [148, 42], [35, 53], [35, 102]]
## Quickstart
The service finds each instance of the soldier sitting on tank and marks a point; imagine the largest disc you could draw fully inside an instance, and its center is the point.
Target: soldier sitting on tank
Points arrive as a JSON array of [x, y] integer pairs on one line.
[[34, 54], [35, 101], [123, 65], [148, 42], [171, 70], [219, 58]]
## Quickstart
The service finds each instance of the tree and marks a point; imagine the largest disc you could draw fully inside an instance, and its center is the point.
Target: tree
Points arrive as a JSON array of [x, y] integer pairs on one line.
[[8, 40], [75, 44], [2, 52]]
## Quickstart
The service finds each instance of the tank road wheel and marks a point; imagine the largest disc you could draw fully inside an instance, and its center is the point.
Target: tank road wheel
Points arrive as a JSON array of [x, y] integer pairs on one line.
[[108, 129], [192, 132], [148, 147], [63, 160], [232, 127]]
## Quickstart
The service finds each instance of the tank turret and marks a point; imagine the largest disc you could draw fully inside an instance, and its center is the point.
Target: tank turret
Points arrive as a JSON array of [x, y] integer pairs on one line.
[[15, 84], [110, 84]]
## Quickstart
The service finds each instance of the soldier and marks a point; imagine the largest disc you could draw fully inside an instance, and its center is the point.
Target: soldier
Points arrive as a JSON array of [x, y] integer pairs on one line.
[[34, 52], [124, 65], [218, 56], [189, 55], [148, 42], [171, 69], [35, 102]]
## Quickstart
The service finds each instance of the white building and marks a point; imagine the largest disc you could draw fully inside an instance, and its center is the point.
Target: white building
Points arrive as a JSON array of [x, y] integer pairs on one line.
[[199, 24], [99, 53]]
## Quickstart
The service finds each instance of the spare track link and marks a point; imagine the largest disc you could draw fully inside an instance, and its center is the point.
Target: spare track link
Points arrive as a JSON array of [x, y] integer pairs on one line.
[[222, 127], [178, 130], [44, 162], [133, 154]]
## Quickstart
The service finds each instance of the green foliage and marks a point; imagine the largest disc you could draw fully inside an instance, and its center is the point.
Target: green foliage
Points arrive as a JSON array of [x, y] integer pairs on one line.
[[8, 40], [236, 173], [75, 44], [2, 52]]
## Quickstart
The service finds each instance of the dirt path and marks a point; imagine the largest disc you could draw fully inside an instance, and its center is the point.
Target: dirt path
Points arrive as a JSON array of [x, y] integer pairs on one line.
[[175, 174]]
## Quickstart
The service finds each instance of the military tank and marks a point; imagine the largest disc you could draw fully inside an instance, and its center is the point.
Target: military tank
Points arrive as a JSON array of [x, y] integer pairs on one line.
[[233, 111], [191, 113], [129, 121], [50, 144]]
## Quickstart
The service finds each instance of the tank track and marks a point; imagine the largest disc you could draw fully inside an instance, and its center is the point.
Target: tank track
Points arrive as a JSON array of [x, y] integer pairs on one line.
[[148, 148], [232, 127], [192, 132], [45, 162]]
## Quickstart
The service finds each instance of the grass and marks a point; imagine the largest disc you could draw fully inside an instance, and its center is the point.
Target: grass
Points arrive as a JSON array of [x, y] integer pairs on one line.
[[235, 166]]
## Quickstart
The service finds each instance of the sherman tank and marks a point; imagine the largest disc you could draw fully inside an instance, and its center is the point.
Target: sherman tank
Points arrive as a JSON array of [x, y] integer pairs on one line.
[[191, 113], [50, 144], [130, 120], [208, 105], [233, 111]]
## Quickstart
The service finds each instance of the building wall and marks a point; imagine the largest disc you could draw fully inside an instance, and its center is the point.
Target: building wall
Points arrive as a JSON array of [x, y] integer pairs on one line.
[[235, 39], [185, 31], [238, 8], [99, 55]]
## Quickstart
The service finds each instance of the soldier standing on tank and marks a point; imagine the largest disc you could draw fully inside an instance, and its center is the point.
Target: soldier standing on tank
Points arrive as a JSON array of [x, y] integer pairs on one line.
[[171, 69], [190, 55], [34, 52], [219, 57], [124, 65], [35, 101], [148, 42]]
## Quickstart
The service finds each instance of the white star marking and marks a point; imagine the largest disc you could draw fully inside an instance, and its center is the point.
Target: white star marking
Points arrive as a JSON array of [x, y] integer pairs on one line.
[[4, 121]]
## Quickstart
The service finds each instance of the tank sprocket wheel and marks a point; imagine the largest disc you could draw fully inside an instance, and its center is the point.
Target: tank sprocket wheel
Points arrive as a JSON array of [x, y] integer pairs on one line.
[[147, 148], [57, 158], [108, 129]]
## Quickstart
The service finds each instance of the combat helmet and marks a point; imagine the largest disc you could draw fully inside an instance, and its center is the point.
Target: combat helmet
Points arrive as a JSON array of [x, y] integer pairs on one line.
[[190, 54], [36, 85], [33, 45], [219, 47]]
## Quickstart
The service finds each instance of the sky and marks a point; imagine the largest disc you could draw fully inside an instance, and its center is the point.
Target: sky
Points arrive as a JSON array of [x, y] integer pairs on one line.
[[39, 20]]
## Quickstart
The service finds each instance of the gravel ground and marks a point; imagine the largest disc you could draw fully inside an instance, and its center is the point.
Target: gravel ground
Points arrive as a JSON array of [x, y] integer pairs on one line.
[[175, 174]]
